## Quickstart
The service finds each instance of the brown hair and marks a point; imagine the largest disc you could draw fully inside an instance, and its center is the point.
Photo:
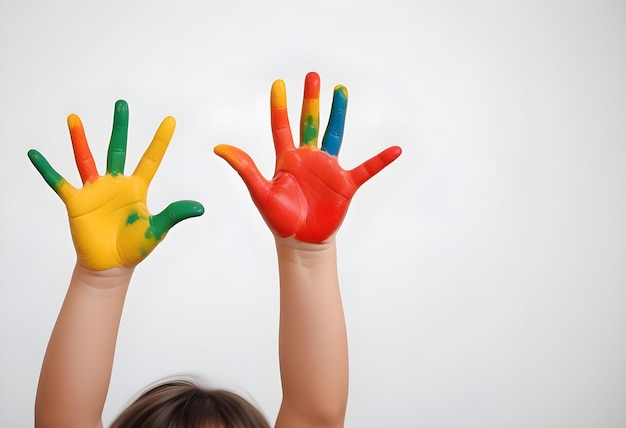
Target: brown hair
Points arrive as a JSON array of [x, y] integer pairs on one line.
[[185, 404]]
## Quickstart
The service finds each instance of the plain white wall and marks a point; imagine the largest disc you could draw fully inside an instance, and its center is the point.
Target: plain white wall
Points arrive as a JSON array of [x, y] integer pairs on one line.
[[483, 273]]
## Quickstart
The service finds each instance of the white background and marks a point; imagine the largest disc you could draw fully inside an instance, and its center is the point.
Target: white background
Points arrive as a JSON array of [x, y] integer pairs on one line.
[[483, 273]]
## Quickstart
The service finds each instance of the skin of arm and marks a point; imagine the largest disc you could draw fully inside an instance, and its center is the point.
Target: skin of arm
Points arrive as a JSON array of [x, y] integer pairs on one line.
[[304, 204], [313, 347], [112, 232], [76, 370]]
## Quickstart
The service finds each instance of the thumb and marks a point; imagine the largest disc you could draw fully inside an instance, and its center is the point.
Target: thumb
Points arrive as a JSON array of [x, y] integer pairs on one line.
[[245, 166], [173, 214]]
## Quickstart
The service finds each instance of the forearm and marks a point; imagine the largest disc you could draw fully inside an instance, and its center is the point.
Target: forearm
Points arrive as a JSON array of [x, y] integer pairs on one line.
[[312, 340], [77, 366]]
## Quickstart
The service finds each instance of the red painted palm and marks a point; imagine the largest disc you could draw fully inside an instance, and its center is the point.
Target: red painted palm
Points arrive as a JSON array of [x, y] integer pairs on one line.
[[310, 192]]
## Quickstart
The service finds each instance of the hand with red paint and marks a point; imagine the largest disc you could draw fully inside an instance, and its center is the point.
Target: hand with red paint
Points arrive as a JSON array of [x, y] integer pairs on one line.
[[109, 218], [310, 193]]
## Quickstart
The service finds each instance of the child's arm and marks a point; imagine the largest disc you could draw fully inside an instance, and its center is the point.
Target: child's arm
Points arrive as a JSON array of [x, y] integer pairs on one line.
[[112, 232], [76, 370], [313, 346], [304, 205]]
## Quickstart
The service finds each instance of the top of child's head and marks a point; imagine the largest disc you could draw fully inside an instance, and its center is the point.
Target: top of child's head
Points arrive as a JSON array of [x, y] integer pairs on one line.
[[184, 403]]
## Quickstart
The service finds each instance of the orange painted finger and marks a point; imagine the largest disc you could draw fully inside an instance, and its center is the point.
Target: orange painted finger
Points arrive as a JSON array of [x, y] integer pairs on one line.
[[84, 159]]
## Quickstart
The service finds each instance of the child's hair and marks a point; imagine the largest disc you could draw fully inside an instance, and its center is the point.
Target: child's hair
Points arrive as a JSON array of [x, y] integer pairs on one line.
[[185, 404]]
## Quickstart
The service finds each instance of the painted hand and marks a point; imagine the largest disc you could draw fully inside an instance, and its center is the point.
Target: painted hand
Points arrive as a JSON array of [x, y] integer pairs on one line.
[[309, 194], [108, 216]]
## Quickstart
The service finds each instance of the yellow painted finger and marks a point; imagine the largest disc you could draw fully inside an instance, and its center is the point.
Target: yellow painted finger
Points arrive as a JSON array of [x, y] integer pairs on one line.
[[151, 159]]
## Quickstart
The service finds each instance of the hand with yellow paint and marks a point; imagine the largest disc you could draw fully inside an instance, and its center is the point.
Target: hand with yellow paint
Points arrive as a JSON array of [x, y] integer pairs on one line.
[[109, 218]]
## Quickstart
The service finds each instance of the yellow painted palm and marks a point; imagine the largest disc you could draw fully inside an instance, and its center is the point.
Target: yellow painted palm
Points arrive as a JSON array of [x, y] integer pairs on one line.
[[109, 218]]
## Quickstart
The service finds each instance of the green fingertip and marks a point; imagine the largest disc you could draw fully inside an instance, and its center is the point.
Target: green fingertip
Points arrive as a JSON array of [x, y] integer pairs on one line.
[[170, 216], [53, 178], [116, 158], [121, 105]]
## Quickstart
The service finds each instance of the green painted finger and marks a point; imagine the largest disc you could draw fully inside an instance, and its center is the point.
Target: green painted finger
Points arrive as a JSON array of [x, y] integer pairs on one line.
[[173, 214], [53, 178], [119, 136]]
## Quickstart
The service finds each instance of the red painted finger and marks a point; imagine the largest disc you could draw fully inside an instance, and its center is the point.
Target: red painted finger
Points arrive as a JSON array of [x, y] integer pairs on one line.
[[310, 116], [374, 165], [281, 131]]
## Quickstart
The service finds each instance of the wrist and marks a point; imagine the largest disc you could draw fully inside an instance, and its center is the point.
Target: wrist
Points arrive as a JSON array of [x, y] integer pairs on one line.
[[306, 254], [103, 279]]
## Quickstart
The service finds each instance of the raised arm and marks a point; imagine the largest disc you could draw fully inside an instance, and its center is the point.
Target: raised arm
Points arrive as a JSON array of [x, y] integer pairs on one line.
[[313, 346], [112, 232], [304, 204]]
